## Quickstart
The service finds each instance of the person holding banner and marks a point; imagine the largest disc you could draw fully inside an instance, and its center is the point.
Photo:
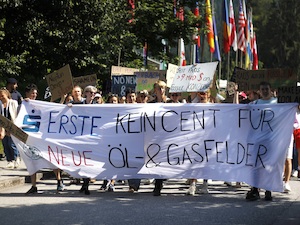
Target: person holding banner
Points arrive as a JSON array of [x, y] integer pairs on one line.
[[31, 92], [134, 184], [89, 93], [266, 98], [202, 97], [159, 90], [9, 109]]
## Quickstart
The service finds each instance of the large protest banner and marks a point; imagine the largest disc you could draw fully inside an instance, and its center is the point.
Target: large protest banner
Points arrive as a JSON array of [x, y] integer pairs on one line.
[[60, 82], [194, 78], [229, 142], [84, 81], [120, 83], [146, 79], [250, 79]]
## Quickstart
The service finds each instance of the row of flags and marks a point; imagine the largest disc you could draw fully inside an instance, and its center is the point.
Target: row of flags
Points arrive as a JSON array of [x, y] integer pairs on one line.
[[243, 39]]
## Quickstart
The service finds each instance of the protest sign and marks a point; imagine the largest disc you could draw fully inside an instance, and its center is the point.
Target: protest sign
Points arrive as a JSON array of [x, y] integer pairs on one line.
[[146, 79], [60, 82], [119, 70], [10, 127], [232, 142], [120, 83], [250, 79], [172, 69], [194, 78], [84, 81], [288, 94]]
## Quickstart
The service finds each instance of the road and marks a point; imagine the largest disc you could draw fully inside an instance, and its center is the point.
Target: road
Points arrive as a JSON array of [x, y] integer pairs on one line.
[[222, 206]]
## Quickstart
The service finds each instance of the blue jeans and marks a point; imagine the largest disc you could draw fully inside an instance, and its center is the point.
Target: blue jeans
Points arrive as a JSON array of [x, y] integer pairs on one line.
[[10, 149]]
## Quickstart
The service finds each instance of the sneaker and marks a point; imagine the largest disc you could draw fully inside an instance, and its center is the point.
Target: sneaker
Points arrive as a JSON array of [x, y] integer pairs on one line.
[[17, 162], [268, 196], [60, 186], [238, 185], [294, 173], [287, 188], [252, 195], [204, 189], [32, 190], [131, 190], [229, 184], [192, 190], [111, 188], [10, 165], [156, 192]]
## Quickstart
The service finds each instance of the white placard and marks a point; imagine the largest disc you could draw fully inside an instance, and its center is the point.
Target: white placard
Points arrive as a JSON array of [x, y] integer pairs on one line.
[[194, 78]]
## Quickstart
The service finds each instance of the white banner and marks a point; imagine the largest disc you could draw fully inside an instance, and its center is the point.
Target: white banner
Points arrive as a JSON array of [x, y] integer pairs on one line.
[[193, 78], [227, 142]]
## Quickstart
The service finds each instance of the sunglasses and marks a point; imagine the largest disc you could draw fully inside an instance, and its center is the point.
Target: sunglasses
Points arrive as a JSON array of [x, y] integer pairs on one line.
[[175, 95]]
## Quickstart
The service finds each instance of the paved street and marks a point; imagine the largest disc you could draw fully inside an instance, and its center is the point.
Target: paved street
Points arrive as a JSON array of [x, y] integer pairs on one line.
[[224, 205]]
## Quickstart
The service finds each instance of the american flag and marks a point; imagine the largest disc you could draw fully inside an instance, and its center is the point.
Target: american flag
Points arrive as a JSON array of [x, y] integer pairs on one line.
[[241, 30]]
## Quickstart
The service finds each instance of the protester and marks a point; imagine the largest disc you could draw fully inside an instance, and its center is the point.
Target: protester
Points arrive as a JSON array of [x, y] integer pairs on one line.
[[89, 94], [266, 98], [202, 97], [297, 138], [31, 92], [109, 185], [159, 89], [174, 97], [9, 109], [113, 98], [11, 86], [134, 184], [98, 98], [142, 96]]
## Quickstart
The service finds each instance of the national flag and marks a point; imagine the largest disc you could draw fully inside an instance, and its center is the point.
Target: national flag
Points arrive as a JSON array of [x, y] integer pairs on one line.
[[226, 28], [241, 30], [255, 55], [209, 23], [232, 40], [182, 53], [216, 53], [248, 56]]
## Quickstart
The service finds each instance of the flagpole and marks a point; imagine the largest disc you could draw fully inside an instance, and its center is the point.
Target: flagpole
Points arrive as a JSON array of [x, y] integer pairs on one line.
[[228, 65]]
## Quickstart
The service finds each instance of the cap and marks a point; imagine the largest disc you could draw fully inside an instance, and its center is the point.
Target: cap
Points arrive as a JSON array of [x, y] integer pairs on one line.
[[12, 81], [97, 95]]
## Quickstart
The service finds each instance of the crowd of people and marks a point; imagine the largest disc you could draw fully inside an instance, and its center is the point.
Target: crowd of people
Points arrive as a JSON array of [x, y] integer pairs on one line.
[[10, 100]]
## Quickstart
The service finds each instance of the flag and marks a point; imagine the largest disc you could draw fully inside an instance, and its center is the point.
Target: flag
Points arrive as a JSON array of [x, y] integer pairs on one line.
[[255, 55], [241, 30], [145, 54], [248, 53], [209, 23], [232, 40], [226, 28], [216, 53], [182, 53], [197, 36]]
